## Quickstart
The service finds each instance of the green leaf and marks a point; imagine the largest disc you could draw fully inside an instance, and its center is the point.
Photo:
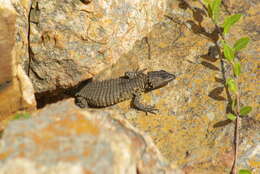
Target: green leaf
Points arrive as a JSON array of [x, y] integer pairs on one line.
[[245, 110], [228, 52], [244, 171], [215, 7], [241, 43], [229, 21], [21, 116], [237, 68], [232, 85], [231, 117]]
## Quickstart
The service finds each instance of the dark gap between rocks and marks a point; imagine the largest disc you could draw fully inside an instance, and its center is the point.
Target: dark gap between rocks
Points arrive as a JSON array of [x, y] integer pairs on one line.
[[49, 97]]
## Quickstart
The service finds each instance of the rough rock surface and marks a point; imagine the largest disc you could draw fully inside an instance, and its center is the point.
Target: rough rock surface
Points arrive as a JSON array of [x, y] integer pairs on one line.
[[191, 125], [71, 41], [64, 138], [16, 90]]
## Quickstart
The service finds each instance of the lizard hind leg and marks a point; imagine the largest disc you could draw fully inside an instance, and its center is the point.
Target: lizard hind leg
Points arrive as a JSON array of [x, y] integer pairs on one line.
[[81, 102]]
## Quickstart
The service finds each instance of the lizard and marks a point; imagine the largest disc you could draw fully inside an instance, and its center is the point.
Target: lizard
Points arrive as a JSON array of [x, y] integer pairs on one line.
[[130, 86]]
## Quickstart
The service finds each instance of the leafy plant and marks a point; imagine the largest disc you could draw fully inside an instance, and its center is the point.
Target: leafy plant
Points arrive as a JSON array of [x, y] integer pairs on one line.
[[230, 52]]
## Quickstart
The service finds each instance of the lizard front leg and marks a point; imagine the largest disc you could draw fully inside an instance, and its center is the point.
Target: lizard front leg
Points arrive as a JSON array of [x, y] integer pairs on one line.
[[134, 74], [146, 108]]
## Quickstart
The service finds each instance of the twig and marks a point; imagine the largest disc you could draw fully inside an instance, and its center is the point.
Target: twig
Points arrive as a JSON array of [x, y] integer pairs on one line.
[[236, 141], [28, 40], [234, 166], [149, 47]]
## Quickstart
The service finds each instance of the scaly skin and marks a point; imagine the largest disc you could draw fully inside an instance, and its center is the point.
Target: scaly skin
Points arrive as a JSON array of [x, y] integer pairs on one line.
[[130, 86]]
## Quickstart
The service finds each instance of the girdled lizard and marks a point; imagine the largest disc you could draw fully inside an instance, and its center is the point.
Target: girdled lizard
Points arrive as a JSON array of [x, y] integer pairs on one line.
[[130, 86]]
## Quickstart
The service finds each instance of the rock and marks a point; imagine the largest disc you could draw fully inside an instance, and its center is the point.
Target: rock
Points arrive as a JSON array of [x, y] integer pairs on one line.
[[72, 41], [25, 166], [16, 90], [191, 126], [61, 137]]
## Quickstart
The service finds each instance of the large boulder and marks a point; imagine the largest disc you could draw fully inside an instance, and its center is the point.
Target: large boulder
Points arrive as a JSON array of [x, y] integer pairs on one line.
[[63, 138], [192, 125], [73, 40]]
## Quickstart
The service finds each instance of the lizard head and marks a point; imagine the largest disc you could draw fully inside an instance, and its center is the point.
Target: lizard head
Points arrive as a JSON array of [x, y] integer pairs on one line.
[[157, 79]]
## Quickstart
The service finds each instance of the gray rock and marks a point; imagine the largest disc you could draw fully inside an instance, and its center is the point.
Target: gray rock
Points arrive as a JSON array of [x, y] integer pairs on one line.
[[71, 41], [64, 138]]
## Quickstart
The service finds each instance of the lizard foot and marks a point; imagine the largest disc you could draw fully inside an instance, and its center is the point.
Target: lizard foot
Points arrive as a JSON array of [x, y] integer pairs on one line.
[[145, 108], [81, 102], [150, 109]]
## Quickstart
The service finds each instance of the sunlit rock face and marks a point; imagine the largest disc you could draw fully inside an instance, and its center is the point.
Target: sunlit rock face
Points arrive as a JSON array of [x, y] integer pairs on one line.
[[16, 90], [64, 138], [72, 41]]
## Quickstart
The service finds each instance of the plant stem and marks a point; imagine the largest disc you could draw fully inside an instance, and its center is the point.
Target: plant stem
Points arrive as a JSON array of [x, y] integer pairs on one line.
[[236, 142], [234, 167]]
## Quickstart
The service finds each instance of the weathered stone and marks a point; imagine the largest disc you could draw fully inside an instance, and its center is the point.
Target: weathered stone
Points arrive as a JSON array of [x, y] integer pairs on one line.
[[191, 126], [25, 166], [88, 141], [16, 91], [73, 40]]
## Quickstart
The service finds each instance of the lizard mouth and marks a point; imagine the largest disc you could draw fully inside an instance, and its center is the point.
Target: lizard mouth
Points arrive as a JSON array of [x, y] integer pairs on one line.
[[170, 77]]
